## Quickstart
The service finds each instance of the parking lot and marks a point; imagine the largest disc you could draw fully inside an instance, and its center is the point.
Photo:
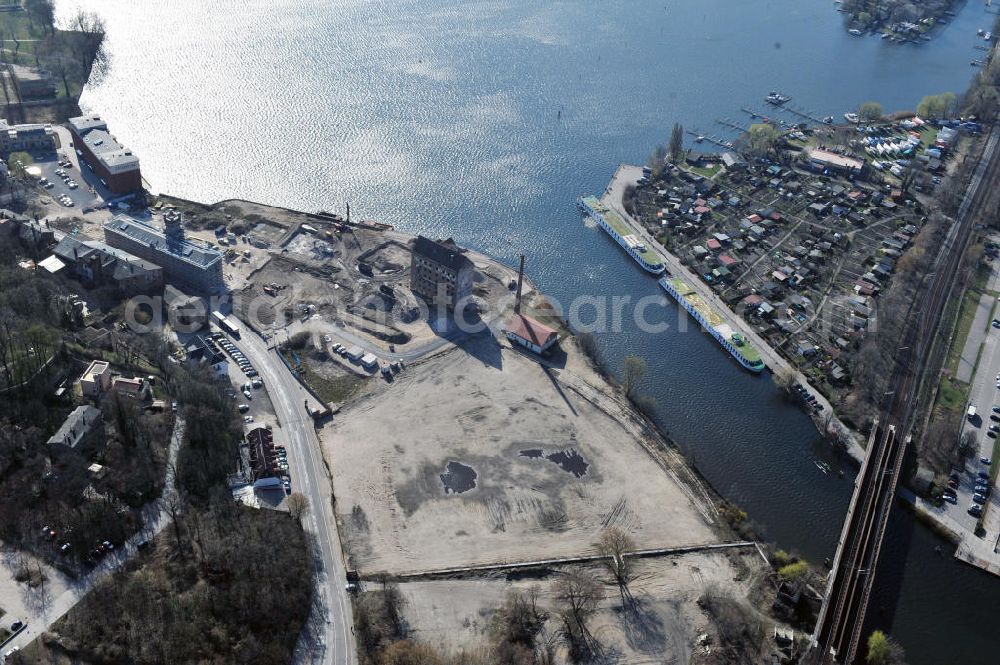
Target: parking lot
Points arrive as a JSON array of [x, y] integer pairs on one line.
[[984, 397], [255, 407]]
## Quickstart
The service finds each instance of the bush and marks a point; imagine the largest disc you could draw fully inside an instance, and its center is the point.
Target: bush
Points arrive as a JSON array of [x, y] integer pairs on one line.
[[793, 571]]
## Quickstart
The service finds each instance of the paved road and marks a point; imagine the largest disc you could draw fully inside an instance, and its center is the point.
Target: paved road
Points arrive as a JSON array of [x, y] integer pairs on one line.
[[328, 638], [156, 516]]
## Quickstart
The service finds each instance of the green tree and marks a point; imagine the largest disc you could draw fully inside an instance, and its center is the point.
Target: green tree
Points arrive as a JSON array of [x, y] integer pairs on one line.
[[870, 111], [761, 139], [864, 18], [935, 107], [25, 161], [676, 145], [633, 369], [879, 650]]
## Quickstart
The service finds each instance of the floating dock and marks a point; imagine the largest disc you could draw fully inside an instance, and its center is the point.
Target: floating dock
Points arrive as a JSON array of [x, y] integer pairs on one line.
[[738, 346], [610, 221]]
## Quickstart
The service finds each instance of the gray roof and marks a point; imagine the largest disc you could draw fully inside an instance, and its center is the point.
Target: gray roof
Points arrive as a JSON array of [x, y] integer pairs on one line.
[[73, 249], [85, 123], [151, 236], [107, 147], [78, 424], [446, 253]]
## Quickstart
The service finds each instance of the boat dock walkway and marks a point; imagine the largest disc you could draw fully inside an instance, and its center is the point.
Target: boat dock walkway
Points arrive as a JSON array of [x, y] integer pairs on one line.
[[629, 175], [803, 114], [699, 137]]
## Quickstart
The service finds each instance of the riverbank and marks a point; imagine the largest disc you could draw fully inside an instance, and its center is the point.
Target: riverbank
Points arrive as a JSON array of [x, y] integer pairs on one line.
[[826, 420]]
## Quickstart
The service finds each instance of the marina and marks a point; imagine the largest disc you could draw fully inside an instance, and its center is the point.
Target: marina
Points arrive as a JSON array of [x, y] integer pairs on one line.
[[503, 71], [616, 227], [738, 347]]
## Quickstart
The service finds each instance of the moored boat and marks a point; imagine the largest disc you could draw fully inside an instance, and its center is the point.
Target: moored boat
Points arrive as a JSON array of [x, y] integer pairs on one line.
[[736, 344], [617, 228]]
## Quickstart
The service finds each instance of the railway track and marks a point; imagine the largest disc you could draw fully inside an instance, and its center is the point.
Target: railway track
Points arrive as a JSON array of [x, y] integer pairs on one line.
[[841, 620]]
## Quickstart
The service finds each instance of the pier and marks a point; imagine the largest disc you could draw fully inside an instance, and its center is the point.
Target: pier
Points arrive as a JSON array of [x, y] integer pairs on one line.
[[726, 122], [711, 138], [805, 114]]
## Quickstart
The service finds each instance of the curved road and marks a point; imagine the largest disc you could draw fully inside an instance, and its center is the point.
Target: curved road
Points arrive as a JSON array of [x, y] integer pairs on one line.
[[328, 638]]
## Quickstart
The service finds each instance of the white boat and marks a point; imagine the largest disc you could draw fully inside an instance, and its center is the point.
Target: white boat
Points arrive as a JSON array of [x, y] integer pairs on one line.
[[855, 32], [851, 117], [618, 229]]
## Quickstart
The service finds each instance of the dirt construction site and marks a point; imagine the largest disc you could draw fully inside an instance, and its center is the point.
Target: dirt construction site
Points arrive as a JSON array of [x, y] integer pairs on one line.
[[480, 454], [662, 622]]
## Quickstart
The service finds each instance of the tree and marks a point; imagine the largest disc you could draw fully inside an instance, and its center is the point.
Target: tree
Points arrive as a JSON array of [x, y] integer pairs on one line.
[[89, 45], [870, 111], [935, 107], [42, 11], [878, 648], [298, 505], [676, 145], [577, 596], [25, 161], [615, 544], [761, 139], [633, 369]]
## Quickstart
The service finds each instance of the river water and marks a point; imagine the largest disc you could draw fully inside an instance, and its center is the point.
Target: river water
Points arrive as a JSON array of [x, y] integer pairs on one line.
[[484, 120]]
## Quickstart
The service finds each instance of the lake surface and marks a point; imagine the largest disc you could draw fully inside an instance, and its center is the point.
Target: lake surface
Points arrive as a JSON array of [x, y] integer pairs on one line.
[[484, 121]]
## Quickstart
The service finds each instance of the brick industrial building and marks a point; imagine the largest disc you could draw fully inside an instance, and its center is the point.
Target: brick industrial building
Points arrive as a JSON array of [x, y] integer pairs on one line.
[[113, 163], [195, 268], [440, 273]]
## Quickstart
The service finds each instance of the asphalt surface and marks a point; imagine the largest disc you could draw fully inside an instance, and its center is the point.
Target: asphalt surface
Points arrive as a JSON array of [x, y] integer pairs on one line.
[[156, 516], [328, 638]]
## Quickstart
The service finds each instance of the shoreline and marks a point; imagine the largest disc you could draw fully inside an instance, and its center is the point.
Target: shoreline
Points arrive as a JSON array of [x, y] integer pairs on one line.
[[627, 175], [607, 395]]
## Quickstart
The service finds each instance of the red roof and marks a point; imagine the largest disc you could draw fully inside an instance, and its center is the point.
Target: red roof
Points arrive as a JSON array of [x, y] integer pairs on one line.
[[529, 330], [713, 244], [727, 260], [753, 299], [701, 210], [755, 218]]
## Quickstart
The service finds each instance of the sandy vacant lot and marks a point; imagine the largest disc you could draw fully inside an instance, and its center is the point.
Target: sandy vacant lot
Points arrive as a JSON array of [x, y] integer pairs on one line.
[[550, 469], [662, 626]]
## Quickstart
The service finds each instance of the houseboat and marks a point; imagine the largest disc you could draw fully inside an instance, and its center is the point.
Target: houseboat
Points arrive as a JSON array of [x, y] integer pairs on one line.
[[738, 346], [777, 98], [616, 227]]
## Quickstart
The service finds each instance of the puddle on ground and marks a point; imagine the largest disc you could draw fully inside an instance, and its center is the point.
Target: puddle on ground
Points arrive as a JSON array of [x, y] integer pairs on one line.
[[569, 460], [458, 478]]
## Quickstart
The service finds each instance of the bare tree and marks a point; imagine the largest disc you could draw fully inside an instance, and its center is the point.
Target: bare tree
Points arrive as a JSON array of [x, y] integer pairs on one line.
[[578, 595], [633, 369], [298, 505], [615, 544]]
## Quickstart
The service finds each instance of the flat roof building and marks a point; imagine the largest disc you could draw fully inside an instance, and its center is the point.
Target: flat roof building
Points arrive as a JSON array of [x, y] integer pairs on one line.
[[824, 159], [30, 137], [193, 267], [96, 380], [115, 164], [32, 83]]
